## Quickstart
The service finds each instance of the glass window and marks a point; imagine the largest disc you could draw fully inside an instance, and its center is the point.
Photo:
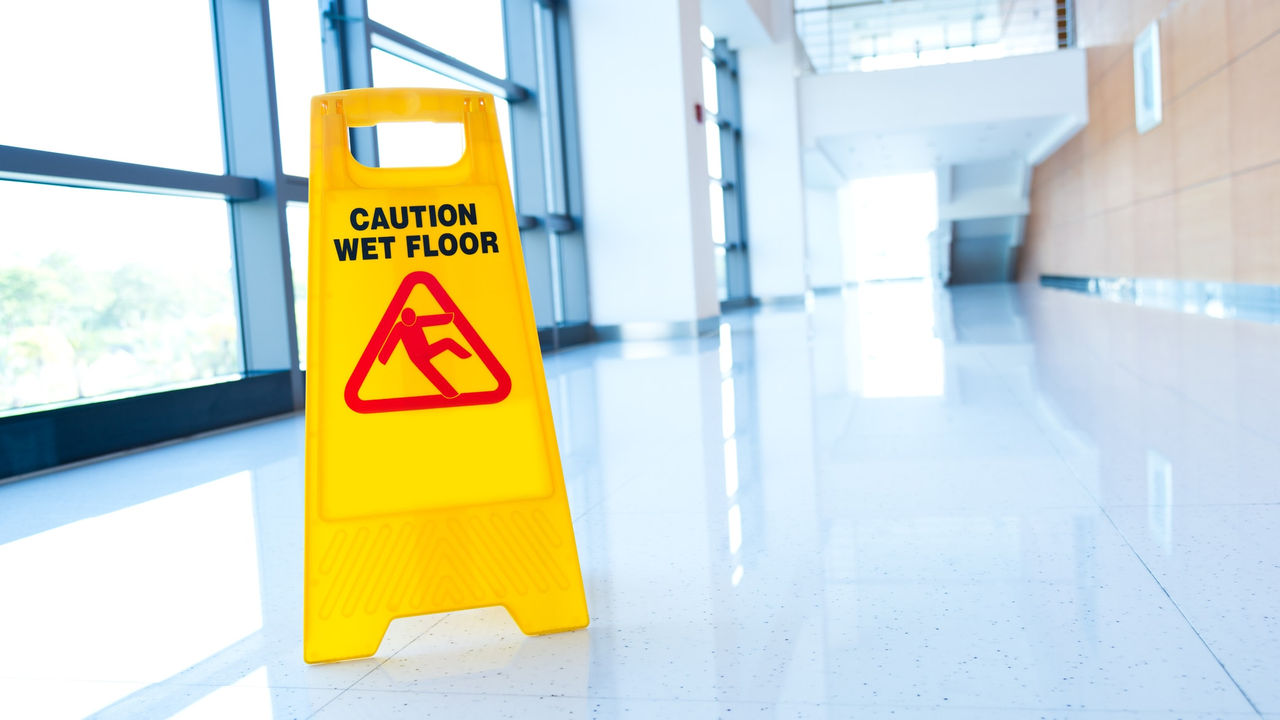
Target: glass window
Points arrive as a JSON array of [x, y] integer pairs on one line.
[[403, 140], [299, 66], [707, 37], [297, 222], [135, 82], [470, 31], [111, 292], [714, 160], [717, 214], [710, 92]]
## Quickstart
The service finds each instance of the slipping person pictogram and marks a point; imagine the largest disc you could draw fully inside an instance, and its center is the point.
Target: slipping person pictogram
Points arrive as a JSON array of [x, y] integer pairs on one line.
[[411, 332], [402, 326]]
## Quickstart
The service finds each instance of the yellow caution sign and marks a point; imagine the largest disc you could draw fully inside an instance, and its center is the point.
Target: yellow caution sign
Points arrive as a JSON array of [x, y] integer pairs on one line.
[[433, 481]]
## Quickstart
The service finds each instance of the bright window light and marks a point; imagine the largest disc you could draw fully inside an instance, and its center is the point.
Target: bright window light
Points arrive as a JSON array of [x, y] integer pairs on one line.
[[727, 419], [135, 82], [710, 86], [296, 55], [141, 298], [735, 529], [298, 219], [888, 221], [730, 467], [726, 348], [901, 355], [714, 162], [717, 212], [471, 31], [707, 37], [142, 593]]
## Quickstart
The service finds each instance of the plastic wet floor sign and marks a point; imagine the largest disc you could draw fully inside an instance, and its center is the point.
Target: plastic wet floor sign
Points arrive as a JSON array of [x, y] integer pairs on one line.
[[433, 480]]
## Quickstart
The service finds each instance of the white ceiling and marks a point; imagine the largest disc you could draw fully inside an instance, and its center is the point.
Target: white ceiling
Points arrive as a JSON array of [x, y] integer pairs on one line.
[[869, 154]]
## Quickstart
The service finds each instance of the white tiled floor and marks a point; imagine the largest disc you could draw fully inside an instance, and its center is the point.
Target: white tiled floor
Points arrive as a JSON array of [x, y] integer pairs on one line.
[[994, 503]]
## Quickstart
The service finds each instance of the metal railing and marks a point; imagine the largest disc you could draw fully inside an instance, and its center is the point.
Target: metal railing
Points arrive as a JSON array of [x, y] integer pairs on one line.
[[854, 35]]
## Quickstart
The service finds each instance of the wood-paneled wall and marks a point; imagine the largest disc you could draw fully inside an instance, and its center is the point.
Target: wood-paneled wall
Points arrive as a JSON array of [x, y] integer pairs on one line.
[[1196, 198]]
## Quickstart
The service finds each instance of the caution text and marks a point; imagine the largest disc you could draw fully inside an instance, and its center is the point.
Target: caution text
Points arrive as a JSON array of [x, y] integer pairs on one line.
[[420, 245]]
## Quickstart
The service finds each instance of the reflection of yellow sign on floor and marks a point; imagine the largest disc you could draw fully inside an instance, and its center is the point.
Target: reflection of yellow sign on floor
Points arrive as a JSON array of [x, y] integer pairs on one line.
[[433, 477]]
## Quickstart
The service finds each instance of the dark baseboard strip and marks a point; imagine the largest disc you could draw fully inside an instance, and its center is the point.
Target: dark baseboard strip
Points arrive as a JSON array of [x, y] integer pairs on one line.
[[657, 330], [552, 339], [736, 304], [49, 438], [1243, 301]]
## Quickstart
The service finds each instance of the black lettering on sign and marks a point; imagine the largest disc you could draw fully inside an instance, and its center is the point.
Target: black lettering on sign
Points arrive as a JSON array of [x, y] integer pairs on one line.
[[346, 248], [446, 244]]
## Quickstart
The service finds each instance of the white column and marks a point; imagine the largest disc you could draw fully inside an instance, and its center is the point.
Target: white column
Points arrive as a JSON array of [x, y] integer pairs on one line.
[[774, 178], [822, 226], [646, 212]]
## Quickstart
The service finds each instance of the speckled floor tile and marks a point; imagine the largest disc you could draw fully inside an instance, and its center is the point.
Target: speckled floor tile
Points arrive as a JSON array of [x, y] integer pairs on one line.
[[835, 510], [1020, 612], [359, 705], [1221, 565]]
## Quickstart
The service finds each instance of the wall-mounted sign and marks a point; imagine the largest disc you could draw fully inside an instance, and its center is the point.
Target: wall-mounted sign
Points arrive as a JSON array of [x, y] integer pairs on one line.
[[1147, 98]]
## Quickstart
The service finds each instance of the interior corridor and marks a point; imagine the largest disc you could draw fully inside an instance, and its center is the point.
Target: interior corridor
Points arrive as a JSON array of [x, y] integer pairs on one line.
[[993, 501]]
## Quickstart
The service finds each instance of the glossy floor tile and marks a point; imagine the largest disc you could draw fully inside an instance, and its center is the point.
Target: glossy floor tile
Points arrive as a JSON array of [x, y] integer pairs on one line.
[[990, 502]]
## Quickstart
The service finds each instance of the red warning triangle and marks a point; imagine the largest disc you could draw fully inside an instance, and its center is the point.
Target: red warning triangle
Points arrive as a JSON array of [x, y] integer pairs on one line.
[[401, 328]]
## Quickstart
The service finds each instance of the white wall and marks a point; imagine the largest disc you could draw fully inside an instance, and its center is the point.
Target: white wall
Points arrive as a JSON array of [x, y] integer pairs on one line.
[[646, 214], [741, 22], [772, 163], [995, 188]]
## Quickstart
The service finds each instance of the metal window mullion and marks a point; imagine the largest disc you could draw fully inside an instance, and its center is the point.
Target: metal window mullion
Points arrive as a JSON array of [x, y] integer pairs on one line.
[[737, 259], [544, 27], [264, 283], [549, 106], [407, 48], [294, 188], [527, 157], [51, 168], [573, 279], [348, 62]]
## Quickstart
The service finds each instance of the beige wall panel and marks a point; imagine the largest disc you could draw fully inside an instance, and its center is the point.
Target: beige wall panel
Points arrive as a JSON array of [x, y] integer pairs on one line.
[[1201, 132], [1255, 223], [1197, 41], [1255, 105], [1204, 232]]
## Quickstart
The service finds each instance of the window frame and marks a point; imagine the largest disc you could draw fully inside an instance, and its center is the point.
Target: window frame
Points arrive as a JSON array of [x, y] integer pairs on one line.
[[728, 120], [257, 192]]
